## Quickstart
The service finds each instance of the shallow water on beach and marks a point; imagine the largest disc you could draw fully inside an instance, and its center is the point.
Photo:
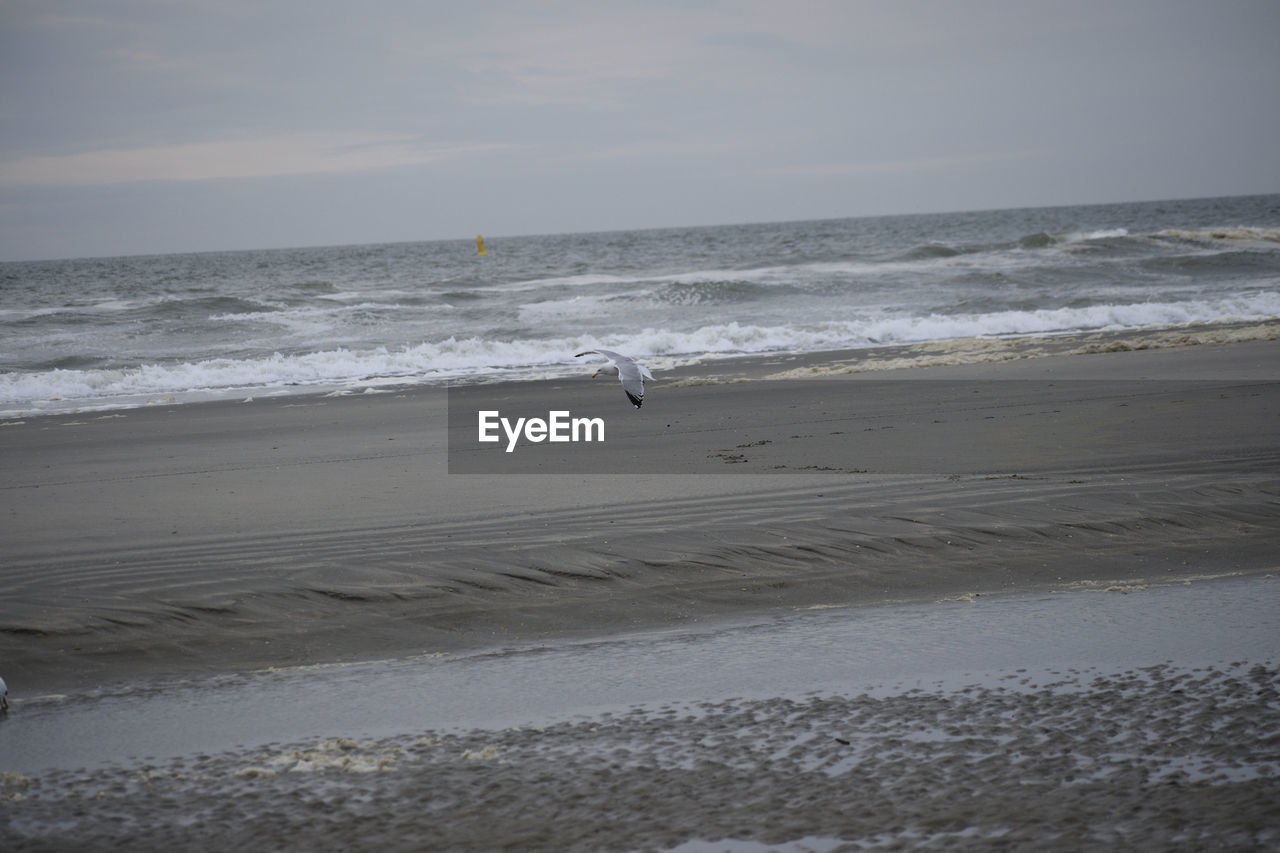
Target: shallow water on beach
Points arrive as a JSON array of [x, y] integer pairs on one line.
[[986, 641], [1101, 718]]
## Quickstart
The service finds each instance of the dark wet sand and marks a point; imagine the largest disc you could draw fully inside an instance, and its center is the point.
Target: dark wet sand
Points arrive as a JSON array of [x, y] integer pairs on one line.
[[1156, 758], [226, 536]]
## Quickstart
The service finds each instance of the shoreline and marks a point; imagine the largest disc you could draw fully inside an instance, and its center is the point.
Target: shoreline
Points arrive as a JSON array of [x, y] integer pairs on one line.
[[220, 537], [713, 368]]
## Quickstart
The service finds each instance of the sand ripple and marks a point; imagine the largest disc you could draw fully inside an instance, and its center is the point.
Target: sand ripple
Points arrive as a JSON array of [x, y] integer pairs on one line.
[[1159, 757]]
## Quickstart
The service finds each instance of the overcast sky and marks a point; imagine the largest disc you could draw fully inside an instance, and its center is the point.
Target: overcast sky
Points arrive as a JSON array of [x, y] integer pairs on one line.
[[148, 126]]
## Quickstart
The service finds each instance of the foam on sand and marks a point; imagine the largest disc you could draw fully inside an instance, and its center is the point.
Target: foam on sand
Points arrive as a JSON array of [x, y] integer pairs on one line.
[[1157, 755], [985, 350]]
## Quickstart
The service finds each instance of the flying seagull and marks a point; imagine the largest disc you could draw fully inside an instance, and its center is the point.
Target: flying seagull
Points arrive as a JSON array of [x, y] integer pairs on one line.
[[631, 375]]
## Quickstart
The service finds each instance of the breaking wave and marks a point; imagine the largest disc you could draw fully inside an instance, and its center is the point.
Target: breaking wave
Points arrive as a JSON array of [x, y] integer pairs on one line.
[[478, 359]]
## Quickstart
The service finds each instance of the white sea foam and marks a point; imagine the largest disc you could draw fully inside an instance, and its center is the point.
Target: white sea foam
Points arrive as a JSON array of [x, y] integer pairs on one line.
[[476, 358], [1102, 234], [557, 281], [1237, 233], [585, 305], [110, 333]]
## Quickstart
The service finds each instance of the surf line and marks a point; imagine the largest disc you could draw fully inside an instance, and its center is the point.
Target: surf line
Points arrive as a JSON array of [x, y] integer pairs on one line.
[[558, 426]]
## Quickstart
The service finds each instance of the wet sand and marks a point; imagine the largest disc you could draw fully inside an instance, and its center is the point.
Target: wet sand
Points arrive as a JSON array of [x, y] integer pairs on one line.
[[1048, 722], [299, 530], [201, 542], [1067, 767]]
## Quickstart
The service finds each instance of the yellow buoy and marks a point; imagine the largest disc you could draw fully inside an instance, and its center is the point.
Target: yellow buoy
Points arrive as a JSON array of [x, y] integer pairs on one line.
[[480, 244]]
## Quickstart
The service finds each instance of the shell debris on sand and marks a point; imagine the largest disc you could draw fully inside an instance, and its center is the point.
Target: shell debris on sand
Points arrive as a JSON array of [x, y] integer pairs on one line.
[[1161, 756]]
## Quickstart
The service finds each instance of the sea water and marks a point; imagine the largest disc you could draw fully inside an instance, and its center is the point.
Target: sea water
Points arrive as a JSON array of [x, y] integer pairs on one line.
[[124, 331], [992, 641]]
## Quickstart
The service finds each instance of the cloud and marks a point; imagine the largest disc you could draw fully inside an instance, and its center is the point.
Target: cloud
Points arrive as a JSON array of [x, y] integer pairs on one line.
[[894, 167], [313, 153], [573, 53], [568, 53], [674, 148]]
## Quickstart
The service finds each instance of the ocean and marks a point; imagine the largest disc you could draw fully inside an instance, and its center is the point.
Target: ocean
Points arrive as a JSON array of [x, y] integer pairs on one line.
[[120, 332]]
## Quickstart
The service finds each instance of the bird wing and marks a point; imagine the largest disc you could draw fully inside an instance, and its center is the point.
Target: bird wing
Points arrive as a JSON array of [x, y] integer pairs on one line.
[[632, 381], [608, 354], [630, 374]]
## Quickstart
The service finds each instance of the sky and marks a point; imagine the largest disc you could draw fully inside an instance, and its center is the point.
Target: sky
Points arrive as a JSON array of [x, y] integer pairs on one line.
[[155, 126]]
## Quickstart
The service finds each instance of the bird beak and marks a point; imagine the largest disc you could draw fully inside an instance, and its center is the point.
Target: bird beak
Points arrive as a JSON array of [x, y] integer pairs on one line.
[[594, 375]]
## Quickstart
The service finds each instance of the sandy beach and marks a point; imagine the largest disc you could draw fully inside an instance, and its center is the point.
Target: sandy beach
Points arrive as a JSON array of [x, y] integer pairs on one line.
[[224, 536], [179, 542]]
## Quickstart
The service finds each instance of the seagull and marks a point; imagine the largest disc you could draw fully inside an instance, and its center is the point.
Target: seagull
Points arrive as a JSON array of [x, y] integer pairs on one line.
[[631, 375], [4, 696]]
